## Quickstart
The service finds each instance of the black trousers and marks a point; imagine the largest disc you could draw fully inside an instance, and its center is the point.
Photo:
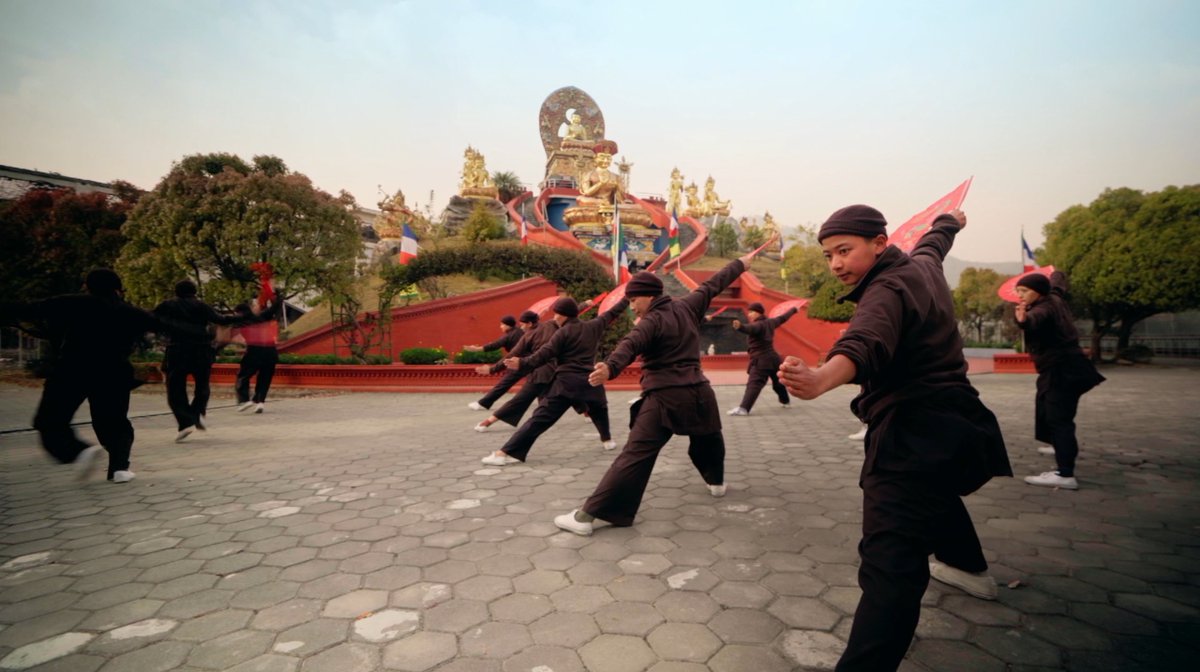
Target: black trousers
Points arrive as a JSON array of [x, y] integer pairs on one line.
[[1055, 406], [260, 361], [619, 494], [906, 517], [547, 413], [514, 409], [179, 363], [107, 394], [505, 383], [758, 380]]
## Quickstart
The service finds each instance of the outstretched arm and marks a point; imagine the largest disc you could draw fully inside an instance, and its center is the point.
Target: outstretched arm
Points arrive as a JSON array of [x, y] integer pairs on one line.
[[809, 383], [937, 241]]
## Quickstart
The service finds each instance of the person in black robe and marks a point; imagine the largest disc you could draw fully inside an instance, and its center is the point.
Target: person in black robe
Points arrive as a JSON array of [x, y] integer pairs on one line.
[[764, 360], [510, 335]]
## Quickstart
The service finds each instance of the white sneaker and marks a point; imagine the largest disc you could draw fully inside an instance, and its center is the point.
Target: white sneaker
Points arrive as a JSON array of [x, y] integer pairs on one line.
[[123, 476], [610, 445], [183, 434], [567, 522], [716, 490], [1045, 450], [476, 406], [498, 460], [85, 463], [787, 405], [245, 406], [1051, 479], [739, 411], [201, 423], [980, 585], [260, 407], [859, 435], [481, 427]]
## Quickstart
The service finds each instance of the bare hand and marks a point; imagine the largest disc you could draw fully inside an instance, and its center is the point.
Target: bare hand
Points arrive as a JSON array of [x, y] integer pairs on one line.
[[1020, 312], [483, 369], [472, 348], [599, 375], [799, 380], [513, 363], [737, 324], [961, 217]]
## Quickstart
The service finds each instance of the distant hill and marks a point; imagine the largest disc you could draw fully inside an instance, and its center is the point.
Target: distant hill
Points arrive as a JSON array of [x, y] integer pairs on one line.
[[954, 267]]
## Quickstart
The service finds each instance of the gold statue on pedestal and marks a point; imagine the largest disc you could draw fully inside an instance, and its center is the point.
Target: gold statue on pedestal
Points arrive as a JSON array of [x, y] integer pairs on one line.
[[695, 206], [713, 205], [476, 183], [675, 192], [576, 130], [769, 227], [601, 191]]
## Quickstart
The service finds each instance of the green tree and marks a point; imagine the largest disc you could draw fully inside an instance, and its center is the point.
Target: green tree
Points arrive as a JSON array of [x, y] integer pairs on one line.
[[824, 306], [482, 225], [808, 276], [213, 215], [722, 240], [51, 238], [975, 300], [508, 184], [1128, 256], [752, 237]]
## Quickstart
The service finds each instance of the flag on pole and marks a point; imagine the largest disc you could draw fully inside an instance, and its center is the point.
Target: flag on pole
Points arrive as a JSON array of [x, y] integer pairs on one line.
[[524, 232], [673, 235], [620, 260], [782, 257], [1027, 255], [910, 232], [408, 246]]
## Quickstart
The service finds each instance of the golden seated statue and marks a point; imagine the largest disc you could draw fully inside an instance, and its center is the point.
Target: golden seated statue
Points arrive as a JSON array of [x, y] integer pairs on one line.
[[601, 192]]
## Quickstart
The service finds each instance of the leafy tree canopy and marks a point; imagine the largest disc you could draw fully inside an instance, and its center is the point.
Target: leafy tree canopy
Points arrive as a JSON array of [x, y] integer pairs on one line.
[[752, 237], [722, 240], [508, 184], [1129, 255], [975, 300], [51, 238], [213, 215], [482, 225]]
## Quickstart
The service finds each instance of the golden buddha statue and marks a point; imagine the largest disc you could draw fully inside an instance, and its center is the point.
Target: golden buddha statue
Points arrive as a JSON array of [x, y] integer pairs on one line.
[[675, 192], [713, 205], [601, 191], [576, 130], [475, 180], [695, 206], [769, 227]]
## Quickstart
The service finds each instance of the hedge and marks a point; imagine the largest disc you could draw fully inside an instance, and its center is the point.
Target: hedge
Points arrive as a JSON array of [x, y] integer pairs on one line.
[[423, 356], [484, 357]]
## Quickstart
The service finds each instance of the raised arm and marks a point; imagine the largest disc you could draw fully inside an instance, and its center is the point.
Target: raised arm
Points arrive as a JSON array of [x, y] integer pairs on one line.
[[543, 355], [776, 321], [703, 295], [936, 242]]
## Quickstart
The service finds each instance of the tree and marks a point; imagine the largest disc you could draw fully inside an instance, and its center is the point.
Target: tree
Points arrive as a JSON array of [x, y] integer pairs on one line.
[[722, 239], [51, 238], [1128, 256], [213, 215], [508, 184], [752, 237], [975, 300], [482, 225]]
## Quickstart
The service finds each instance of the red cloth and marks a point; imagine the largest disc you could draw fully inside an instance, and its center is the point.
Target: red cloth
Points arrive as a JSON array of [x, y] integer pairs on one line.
[[263, 333]]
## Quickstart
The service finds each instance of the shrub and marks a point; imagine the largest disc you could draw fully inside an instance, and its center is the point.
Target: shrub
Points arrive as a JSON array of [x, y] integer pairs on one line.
[[423, 356], [231, 357], [482, 225], [485, 357]]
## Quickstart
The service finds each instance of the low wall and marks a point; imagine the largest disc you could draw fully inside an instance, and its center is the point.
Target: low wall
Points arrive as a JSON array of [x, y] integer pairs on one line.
[[421, 378], [1012, 363]]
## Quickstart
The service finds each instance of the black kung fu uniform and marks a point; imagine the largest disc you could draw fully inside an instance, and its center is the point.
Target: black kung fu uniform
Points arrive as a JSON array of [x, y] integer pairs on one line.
[[189, 353], [93, 336], [764, 360], [573, 347], [537, 382], [676, 399], [1064, 372], [506, 342], [929, 442]]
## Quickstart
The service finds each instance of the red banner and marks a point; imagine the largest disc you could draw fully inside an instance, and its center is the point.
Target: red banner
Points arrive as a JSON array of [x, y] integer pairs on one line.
[[910, 232], [612, 299], [784, 306]]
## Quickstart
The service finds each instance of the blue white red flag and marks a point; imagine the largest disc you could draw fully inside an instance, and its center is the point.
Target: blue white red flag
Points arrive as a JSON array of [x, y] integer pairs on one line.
[[408, 246], [1027, 255]]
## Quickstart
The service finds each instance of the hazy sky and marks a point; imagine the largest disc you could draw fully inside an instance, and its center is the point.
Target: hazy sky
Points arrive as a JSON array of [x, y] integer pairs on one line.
[[794, 107]]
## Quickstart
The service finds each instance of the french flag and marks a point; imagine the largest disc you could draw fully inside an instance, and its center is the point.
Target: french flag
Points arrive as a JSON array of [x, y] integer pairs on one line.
[[1027, 255], [408, 246]]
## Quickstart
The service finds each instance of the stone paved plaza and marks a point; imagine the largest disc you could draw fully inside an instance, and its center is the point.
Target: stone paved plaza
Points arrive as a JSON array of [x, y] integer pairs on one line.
[[356, 532]]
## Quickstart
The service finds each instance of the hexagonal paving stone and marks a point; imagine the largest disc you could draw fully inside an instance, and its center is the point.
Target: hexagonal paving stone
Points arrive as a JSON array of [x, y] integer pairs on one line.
[[741, 594], [617, 653], [287, 614], [541, 581], [344, 658], [564, 629], [684, 641], [541, 657], [584, 599], [812, 650], [311, 637], [745, 626], [420, 651], [520, 608], [946, 655], [158, 657], [495, 640], [456, 615], [650, 564], [692, 578], [387, 625], [36, 653], [628, 618], [229, 650], [483, 588], [421, 595], [687, 607], [739, 658], [355, 603], [804, 613]]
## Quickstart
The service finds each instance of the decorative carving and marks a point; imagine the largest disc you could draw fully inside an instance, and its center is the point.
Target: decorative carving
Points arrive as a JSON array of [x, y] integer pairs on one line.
[[695, 206], [713, 205], [554, 114], [476, 183], [675, 191]]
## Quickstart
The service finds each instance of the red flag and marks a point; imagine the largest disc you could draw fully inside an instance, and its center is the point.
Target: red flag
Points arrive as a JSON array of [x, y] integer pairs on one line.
[[910, 232], [784, 306], [266, 293], [613, 297]]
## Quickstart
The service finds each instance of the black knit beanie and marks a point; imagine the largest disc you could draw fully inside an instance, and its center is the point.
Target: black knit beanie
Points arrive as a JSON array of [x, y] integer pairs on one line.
[[185, 288], [756, 307], [644, 283], [1035, 281], [508, 320], [566, 307], [854, 220], [529, 317], [102, 281]]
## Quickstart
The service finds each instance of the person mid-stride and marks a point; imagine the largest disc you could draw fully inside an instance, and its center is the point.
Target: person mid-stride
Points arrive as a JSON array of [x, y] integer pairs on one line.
[[930, 440], [764, 360], [676, 397], [1064, 372]]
